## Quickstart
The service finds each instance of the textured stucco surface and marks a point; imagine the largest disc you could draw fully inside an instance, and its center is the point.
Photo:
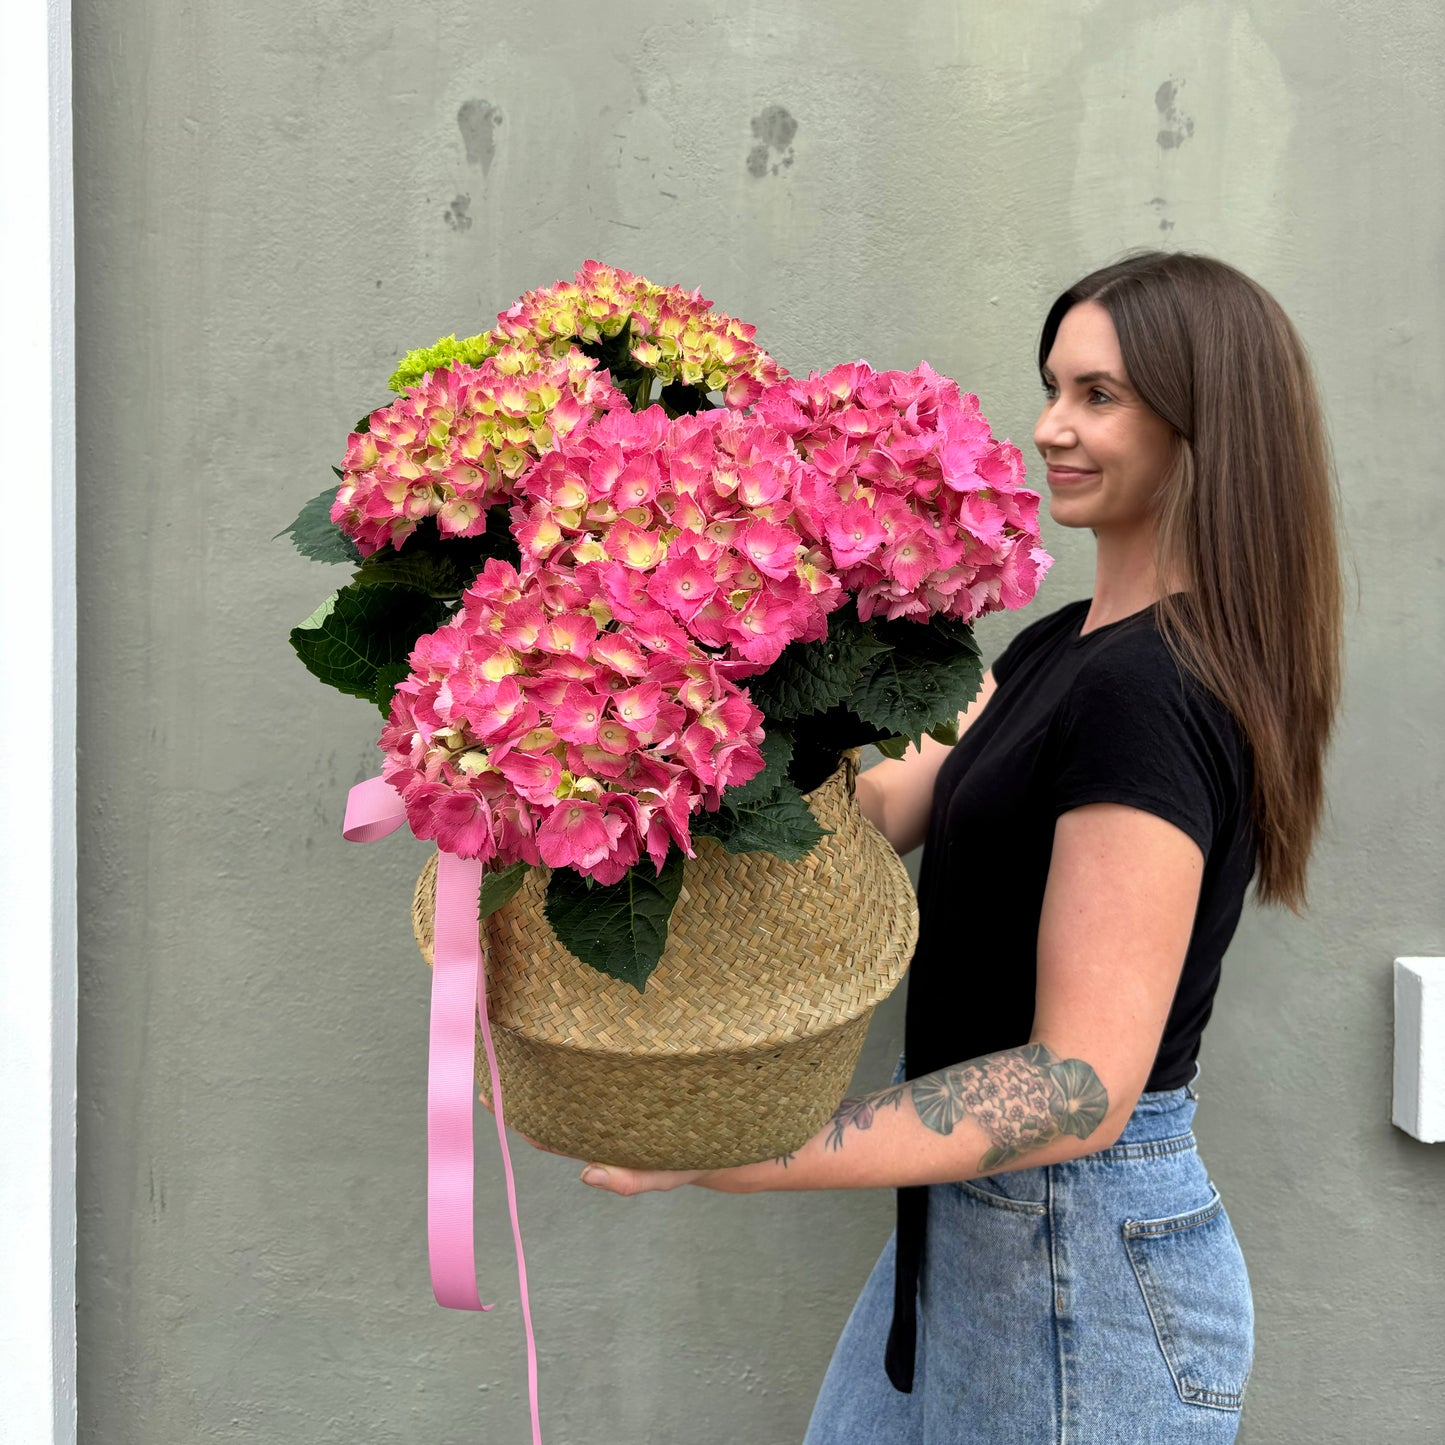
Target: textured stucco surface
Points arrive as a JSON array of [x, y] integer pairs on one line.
[[272, 204]]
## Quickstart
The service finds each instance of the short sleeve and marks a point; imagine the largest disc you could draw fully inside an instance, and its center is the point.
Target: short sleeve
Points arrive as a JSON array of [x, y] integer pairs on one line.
[[1133, 729]]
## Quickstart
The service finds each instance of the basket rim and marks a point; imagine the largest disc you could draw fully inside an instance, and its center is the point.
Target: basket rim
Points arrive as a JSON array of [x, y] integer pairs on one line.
[[745, 1034]]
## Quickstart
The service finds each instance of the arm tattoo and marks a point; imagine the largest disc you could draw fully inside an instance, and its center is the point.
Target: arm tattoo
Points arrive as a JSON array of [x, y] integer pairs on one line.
[[1022, 1099], [859, 1112]]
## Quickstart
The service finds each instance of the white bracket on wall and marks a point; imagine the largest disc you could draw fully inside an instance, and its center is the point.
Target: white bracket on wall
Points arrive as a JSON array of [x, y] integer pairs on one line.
[[1420, 1048]]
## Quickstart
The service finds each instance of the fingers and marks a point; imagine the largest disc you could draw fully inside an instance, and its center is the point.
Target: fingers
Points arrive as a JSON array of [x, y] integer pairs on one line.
[[613, 1180]]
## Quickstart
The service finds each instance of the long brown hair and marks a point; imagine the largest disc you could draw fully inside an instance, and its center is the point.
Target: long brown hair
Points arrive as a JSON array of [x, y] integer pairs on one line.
[[1249, 511]]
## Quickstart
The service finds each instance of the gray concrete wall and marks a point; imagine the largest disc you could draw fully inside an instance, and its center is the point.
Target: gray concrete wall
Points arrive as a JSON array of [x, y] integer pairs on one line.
[[273, 203]]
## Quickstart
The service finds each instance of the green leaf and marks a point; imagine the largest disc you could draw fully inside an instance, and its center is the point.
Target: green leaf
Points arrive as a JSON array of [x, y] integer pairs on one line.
[[930, 674], [892, 747], [359, 631], [499, 886], [813, 676], [384, 688], [317, 536], [820, 740], [946, 732], [777, 751], [620, 929], [678, 399], [467, 554], [614, 352], [471, 554], [781, 824], [435, 574]]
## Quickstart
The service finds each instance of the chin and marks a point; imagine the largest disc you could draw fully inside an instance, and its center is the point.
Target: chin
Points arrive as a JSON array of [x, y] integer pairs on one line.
[[1067, 516]]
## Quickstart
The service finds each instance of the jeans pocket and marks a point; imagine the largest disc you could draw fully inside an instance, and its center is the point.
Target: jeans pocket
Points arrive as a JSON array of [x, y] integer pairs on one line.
[[1192, 1275], [987, 1191]]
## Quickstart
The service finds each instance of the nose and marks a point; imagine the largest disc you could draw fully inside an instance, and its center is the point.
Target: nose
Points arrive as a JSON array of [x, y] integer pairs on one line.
[[1053, 432]]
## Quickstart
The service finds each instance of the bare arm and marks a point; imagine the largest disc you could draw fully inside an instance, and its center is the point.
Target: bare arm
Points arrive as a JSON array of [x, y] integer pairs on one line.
[[896, 795], [1118, 911]]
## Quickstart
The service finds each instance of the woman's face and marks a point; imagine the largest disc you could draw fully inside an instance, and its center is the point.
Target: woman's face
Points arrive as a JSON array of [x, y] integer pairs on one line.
[[1101, 426]]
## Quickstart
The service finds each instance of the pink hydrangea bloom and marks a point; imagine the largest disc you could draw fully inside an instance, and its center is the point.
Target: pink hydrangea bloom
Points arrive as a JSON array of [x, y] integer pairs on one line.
[[526, 732], [919, 511], [695, 519], [458, 442]]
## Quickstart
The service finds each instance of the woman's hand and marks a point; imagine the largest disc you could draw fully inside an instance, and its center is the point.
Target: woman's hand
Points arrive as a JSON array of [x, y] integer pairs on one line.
[[615, 1180]]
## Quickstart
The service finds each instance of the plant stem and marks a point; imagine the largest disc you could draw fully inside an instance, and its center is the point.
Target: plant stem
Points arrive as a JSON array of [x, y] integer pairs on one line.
[[644, 388]]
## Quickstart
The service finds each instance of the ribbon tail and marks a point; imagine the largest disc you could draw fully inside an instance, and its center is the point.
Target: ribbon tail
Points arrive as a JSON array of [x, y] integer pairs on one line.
[[456, 967], [459, 1001], [511, 1199]]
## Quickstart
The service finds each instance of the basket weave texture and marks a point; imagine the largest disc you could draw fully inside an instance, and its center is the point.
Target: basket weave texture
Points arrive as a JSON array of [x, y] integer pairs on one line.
[[746, 1036]]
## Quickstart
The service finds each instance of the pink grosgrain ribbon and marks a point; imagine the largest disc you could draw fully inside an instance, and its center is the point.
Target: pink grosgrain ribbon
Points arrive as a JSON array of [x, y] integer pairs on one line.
[[458, 1001]]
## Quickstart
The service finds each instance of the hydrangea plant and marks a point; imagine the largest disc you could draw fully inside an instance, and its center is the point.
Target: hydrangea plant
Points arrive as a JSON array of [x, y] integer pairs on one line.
[[600, 626]]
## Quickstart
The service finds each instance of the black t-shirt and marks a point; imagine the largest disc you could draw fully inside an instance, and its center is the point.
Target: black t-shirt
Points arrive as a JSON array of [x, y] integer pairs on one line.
[[1105, 718]]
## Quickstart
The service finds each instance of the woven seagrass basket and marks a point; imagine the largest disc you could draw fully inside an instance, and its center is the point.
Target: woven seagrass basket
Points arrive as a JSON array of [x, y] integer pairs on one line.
[[745, 1038]]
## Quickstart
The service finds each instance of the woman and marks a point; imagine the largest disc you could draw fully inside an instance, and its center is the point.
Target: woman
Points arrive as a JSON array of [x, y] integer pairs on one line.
[[1132, 760]]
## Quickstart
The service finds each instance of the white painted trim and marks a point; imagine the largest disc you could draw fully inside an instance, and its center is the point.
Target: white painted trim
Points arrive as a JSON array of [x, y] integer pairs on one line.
[[1419, 1104], [37, 732]]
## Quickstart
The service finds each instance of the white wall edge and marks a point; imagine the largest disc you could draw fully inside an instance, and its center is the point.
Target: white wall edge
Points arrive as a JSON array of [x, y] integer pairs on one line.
[[1419, 1100], [37, 733]]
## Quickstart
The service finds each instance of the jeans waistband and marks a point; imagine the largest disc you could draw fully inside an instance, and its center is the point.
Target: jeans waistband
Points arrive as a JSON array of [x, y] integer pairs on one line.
[[1163, 1114]]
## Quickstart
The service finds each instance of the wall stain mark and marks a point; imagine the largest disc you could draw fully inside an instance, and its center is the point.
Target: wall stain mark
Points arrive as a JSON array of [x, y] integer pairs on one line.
[[773, 130], [477, 120], [157, 1195], [1158, 203], [456, 216], [1177, 127]]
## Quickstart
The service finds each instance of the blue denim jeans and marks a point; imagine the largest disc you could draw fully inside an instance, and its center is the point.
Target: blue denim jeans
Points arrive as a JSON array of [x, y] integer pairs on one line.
[[1101, 1301]]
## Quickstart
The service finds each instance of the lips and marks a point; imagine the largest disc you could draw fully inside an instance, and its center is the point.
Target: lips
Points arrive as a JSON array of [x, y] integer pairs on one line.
[[1064, 475]]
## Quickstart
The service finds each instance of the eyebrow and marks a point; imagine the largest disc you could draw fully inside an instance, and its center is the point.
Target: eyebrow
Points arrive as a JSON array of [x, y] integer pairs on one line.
[[1088, 376]]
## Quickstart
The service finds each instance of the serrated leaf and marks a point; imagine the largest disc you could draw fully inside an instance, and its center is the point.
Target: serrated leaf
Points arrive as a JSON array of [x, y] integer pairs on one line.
[[499, 886], [946, 732], [892, 747], [819, 741], [777, 751], [317, 536], [384, 689], [471, 554], [619, 929], [438, 576], [359, 631], [811, 677], [930, 674], [781, 824]]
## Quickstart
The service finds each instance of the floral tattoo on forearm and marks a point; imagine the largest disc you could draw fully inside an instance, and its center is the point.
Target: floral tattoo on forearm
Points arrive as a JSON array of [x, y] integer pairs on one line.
[[1022, 1098]]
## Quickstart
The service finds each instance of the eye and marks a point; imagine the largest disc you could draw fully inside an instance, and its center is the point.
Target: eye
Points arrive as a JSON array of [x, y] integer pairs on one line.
[[1093, 391]]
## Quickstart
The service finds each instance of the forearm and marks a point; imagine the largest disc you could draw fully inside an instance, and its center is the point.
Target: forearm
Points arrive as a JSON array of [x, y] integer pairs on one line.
[[896, 801], [1015, 1109]]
